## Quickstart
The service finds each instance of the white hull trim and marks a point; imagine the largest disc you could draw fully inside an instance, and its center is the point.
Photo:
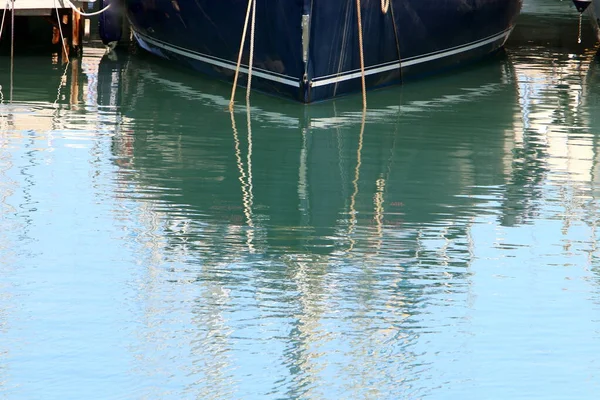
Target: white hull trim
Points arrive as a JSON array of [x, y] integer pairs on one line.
[[219, 62], [376, 69], [325, 80]]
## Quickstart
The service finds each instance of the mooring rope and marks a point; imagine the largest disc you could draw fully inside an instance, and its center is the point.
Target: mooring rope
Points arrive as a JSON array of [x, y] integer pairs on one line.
[[385, 5], [239, 61], [12, 48], [362, 56], [3, 15], [91, 14], [62, 38], [251, 57], [396, 37]]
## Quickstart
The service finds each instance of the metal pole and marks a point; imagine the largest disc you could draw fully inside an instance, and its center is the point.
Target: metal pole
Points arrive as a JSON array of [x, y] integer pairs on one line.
[[12, 48]]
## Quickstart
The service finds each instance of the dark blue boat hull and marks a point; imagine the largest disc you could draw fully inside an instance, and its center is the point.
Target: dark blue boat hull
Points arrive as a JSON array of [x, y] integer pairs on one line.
[[415, 37]]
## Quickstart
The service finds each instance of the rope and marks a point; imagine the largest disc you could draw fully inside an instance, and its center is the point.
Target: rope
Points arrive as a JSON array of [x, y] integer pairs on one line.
[[353, 212], [345, 32], [12, 48], [396, 37], [239, 61], [62, 38], [249, 161], [251, 58], [385, 5], [91, 14], [362, 56], [3, 15], [245, 178]]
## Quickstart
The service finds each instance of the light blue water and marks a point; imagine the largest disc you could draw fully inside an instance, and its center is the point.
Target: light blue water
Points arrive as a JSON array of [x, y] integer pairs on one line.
[[447, 248]]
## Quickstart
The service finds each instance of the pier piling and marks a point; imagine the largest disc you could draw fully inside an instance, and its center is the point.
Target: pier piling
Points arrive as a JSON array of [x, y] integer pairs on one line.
[[51, 19]]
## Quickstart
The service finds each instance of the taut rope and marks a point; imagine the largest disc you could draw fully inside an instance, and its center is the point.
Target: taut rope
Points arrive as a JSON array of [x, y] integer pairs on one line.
[[385, 5], [362, 56], [3, 15], [251, 5], [251, 57], [12, 48]]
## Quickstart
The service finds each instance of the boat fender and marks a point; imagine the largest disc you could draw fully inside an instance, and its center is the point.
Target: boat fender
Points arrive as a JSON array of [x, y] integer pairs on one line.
[[110, 23]]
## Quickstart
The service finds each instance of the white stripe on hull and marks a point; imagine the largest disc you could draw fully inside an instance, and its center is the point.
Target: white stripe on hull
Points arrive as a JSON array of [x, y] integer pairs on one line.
[[327, 80], [219, 62], [411, 61]]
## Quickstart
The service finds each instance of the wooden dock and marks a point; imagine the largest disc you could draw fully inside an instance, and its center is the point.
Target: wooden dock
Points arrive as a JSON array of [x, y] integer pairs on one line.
[[43, 7], [68, 26]]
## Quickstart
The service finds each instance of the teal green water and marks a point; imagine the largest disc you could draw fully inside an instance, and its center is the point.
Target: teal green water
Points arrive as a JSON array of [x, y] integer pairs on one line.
[[445, 247]]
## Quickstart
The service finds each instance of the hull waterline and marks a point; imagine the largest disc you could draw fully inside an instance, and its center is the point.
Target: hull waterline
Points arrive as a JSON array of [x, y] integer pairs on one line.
[[309, 50]]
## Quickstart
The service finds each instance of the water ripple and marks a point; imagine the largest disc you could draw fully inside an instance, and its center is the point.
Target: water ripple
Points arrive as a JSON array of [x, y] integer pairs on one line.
[[444, 246]]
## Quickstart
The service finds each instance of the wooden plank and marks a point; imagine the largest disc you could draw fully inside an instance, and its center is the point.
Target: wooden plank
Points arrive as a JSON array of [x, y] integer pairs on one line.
[[44, 4]]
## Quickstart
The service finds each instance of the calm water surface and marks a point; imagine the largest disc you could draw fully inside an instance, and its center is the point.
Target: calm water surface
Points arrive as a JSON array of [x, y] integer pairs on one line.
[[447, 248]]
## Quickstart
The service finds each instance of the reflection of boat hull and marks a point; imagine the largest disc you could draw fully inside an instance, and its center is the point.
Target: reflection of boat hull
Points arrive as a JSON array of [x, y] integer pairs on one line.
[[300, 53], [326, 166], [594, 13]]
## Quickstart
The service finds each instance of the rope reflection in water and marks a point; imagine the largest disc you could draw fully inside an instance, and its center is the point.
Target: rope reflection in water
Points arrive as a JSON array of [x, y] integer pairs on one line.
[[353, 211], [245, 178]]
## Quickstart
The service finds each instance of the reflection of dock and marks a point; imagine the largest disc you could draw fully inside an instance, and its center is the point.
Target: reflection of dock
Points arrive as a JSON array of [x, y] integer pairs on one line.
[[69, 87], [551, 142], [569, 81]]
